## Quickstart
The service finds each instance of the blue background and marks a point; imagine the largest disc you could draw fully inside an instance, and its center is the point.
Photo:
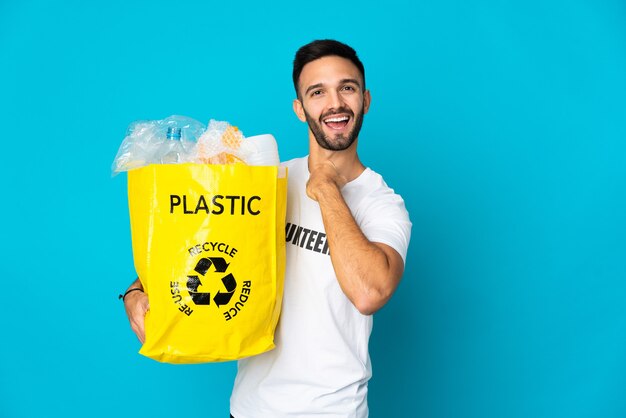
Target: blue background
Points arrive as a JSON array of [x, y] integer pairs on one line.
[[502, 124]]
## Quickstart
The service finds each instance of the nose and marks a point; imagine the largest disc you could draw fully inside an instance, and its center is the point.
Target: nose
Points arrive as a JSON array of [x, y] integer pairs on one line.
[[335, 100]]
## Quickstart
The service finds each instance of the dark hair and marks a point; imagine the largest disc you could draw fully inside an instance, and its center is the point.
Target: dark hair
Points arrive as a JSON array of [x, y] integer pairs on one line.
[[323, 48]]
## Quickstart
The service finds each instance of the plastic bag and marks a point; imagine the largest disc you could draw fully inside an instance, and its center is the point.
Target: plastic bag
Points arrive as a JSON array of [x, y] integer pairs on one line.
[[146, 142], [209, 248], [208, 237], [179, 139]]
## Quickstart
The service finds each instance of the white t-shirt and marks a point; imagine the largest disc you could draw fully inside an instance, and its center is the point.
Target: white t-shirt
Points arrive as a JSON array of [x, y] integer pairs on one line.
[[321, 365]]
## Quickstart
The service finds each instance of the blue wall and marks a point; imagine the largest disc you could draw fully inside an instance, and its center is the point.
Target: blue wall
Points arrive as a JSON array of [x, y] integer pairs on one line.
[[503, 125]]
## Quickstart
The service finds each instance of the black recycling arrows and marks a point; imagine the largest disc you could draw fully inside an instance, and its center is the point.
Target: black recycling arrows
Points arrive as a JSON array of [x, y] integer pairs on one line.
[[204, 264], [198, 298], [222, 298], [202, 267]]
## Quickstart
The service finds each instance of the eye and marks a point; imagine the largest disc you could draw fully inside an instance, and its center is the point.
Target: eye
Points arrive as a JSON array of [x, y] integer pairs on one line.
[[348, 88], [316, 93]]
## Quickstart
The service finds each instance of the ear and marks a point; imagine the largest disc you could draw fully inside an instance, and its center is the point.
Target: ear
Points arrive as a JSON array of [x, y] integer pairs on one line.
[[367, 99], [299, 110]]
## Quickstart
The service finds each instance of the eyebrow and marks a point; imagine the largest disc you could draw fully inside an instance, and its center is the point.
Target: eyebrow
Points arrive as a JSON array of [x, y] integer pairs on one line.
[[351, 80], [342, 81], [313, 87]]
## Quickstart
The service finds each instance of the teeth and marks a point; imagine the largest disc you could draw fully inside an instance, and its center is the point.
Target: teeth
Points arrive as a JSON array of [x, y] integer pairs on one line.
[[341, 119]]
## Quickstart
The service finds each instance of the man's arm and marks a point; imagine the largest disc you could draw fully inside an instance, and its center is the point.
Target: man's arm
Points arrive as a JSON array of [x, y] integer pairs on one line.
[[368, 272], [136, 305]]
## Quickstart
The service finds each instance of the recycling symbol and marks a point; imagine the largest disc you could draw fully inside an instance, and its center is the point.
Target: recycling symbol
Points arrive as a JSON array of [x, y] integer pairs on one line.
[[218, 265]]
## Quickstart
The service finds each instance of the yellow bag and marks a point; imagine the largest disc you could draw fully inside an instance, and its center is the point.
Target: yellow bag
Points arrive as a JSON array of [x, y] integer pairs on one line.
[[209, 248]]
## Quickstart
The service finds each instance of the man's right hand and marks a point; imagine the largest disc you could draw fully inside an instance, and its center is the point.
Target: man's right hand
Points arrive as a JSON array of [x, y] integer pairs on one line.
[[136, 305]]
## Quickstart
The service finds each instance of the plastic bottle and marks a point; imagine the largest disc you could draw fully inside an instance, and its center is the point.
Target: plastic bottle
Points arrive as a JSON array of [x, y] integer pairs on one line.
[[172, 151]]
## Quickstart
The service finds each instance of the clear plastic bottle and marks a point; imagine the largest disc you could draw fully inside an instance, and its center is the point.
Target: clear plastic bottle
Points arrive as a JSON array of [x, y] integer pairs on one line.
[[173, 150]]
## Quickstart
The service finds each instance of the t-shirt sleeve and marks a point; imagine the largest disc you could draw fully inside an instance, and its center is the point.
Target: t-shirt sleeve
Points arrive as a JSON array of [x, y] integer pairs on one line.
[[386, 220]]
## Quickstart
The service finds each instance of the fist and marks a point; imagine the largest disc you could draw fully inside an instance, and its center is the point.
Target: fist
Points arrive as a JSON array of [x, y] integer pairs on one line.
[[324, 176]]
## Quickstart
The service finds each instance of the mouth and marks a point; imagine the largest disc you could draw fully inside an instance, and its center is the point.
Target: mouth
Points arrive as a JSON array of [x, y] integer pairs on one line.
[[337, 122]]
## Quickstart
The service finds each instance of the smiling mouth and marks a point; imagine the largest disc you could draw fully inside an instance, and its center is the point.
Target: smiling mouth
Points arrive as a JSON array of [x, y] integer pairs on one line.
[[337, 122]]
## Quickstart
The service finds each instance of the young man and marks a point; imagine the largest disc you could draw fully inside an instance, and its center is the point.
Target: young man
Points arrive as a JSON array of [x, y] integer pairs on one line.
[[347, 238]]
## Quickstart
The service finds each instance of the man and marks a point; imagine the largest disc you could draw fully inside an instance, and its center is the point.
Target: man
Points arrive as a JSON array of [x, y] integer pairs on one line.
[[321, 365]]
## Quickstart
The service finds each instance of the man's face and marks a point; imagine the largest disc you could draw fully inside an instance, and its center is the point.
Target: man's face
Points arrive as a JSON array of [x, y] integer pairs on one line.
[[332, 101]]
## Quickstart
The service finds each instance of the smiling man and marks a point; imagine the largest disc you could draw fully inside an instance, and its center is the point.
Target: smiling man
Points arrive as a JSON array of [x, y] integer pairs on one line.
[[347, 238]]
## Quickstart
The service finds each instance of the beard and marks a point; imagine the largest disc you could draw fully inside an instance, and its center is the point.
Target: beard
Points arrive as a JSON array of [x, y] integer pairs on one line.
[[340, 142]]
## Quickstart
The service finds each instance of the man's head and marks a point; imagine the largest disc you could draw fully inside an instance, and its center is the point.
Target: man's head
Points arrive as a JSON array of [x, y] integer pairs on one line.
[[329, 80]]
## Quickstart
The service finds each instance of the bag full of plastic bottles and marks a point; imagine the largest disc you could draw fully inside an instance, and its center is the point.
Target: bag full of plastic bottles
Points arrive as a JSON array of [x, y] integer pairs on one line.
[[207, 213]]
